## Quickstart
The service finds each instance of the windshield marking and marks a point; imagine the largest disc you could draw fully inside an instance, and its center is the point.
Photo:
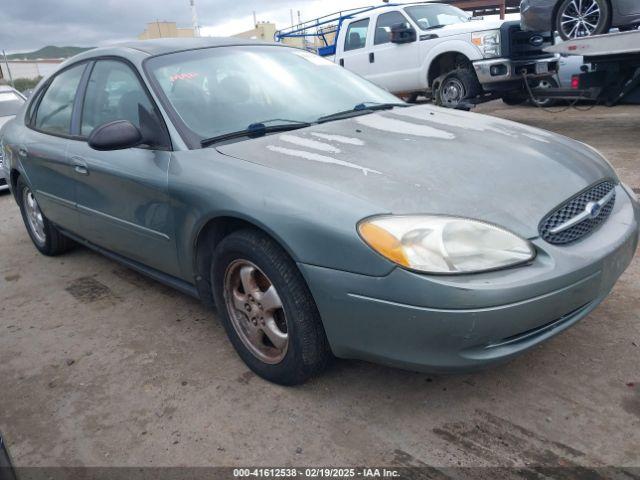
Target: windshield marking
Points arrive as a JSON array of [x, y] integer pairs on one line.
[[392, 125], [307, 142], [339, 139], [320, 158]]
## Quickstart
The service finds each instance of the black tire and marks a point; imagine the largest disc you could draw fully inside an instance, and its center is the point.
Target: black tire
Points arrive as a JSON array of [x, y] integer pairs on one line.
[[456, 86], [307, 352], [54, 243], [596, 23], [514, 98]]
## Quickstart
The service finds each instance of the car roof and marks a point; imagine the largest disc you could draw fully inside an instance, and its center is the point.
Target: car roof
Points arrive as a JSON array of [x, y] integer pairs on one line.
[[381, 9], [162, 46]]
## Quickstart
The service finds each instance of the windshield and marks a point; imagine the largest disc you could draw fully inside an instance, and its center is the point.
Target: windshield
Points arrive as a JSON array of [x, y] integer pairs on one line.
[[10, 104], [217, 91], [434, 16]]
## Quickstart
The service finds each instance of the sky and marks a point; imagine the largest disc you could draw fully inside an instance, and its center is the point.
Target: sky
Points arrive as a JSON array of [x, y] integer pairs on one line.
[[30, 24]]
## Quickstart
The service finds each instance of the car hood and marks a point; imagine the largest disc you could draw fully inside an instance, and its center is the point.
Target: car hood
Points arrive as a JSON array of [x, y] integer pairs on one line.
[[426, 159], [466, 27]]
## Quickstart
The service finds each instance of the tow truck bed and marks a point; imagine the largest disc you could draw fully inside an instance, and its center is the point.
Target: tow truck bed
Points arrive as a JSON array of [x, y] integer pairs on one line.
[[614, 73]]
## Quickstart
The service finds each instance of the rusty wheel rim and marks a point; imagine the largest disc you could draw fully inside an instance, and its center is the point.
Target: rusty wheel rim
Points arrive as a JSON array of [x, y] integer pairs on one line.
[[256, 311]]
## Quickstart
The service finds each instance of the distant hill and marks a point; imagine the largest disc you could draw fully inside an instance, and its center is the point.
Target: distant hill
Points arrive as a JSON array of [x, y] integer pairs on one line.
[[49, 51]]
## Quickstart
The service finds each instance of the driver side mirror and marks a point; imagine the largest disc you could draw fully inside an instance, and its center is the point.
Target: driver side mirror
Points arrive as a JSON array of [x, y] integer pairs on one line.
[[403, 33], [117, 135]]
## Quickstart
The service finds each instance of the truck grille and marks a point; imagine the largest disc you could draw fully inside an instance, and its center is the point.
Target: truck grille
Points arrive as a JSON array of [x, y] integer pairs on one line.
[[574, 207], [518, 44]]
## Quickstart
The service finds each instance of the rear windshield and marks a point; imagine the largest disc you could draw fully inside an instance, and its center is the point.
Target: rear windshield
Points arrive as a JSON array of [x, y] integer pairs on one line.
[[10, 103]]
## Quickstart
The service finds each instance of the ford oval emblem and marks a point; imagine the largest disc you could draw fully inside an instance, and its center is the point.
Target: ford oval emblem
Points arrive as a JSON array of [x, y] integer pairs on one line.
[[593, 209], [536, 40]]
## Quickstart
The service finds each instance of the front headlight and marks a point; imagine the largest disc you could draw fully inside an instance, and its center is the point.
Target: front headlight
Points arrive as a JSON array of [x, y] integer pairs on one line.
[[444, 245], [488, 42]]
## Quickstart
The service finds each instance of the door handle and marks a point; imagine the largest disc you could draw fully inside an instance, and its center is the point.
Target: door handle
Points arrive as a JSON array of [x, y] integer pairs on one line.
[[80, 166], [23, 152], [372, 57], [342, 62]]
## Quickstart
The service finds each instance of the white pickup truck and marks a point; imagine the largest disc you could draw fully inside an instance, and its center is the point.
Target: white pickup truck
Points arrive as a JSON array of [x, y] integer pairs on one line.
[[433, 48]]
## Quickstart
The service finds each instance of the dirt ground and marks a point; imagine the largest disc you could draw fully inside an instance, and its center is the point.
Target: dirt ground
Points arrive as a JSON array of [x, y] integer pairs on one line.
[[100, 366]]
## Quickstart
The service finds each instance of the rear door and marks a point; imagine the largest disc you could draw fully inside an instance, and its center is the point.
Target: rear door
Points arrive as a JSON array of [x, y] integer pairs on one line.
[[354, 55], [123, 196], [43, 151], [393, 66]]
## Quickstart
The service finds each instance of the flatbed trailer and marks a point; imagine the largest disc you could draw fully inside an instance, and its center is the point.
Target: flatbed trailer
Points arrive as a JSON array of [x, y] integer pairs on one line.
[[611, 74]]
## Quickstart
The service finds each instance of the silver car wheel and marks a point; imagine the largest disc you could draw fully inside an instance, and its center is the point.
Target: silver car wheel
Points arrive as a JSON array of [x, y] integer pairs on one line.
[[256, 311], [453, 92], [580, 18], [35, 220]]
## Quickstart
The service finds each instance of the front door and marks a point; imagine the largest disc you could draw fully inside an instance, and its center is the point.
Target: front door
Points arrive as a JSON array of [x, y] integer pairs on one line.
[[395, 67], [123, 197]]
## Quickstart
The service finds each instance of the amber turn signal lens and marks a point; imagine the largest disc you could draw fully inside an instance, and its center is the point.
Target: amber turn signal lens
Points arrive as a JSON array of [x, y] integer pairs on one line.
[[384, 243]]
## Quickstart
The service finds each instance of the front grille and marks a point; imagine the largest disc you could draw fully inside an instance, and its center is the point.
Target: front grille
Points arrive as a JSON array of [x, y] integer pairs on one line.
[[576, 206], [517, 44]]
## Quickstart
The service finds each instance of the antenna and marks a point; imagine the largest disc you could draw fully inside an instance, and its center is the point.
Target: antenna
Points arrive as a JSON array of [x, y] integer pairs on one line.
[[194, 18]]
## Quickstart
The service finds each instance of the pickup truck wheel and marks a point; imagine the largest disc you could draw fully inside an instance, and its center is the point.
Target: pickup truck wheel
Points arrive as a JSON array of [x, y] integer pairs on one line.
[[44, 235], [456, 86], [582, 19], [267, 309], [545, 102]]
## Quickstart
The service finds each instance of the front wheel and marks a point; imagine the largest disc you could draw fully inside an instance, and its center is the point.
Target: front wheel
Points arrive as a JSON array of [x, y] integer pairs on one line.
[[456, 87], [267, 309], [576, 19]]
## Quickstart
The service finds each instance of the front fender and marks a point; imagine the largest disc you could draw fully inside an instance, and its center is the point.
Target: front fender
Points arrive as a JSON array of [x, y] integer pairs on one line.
[[458, 46], [313, 222]]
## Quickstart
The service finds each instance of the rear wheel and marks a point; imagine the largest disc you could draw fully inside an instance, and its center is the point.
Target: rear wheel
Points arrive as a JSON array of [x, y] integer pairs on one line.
[[456, 87], [545, 102], [267, 309], [582, 18], [44, 235]]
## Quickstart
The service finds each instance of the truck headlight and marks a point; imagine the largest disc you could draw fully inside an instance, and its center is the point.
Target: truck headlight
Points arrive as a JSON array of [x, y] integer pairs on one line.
[[444, 245], [488, 42]]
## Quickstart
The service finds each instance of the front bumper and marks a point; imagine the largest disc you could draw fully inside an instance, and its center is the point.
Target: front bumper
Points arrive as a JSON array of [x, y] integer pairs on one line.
[[449, 323], [504, 70]]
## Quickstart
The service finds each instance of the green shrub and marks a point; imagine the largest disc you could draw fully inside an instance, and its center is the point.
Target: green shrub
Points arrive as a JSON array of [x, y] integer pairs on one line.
[[22, 84]]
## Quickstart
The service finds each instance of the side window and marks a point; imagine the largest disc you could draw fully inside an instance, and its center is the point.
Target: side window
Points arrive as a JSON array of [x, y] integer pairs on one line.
[[384, 24], [113, 93], [356, 35], [55, 109]]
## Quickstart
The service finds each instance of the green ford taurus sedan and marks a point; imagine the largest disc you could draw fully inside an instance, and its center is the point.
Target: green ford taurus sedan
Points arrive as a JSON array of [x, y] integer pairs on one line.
[[319, 214]]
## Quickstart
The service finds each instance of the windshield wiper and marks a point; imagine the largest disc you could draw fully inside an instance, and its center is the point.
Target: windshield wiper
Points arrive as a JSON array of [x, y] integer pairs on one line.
[[256, 130], [361, 109], [434, 27]]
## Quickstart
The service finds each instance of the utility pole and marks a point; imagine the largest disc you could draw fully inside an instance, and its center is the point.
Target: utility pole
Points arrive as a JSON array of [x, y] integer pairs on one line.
[[4, 54], [194, 18]]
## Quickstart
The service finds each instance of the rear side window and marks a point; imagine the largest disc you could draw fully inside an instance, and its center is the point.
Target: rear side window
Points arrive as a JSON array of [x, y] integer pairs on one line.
[[356, 35], [55, 109], [113, 93], [384, 24]]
